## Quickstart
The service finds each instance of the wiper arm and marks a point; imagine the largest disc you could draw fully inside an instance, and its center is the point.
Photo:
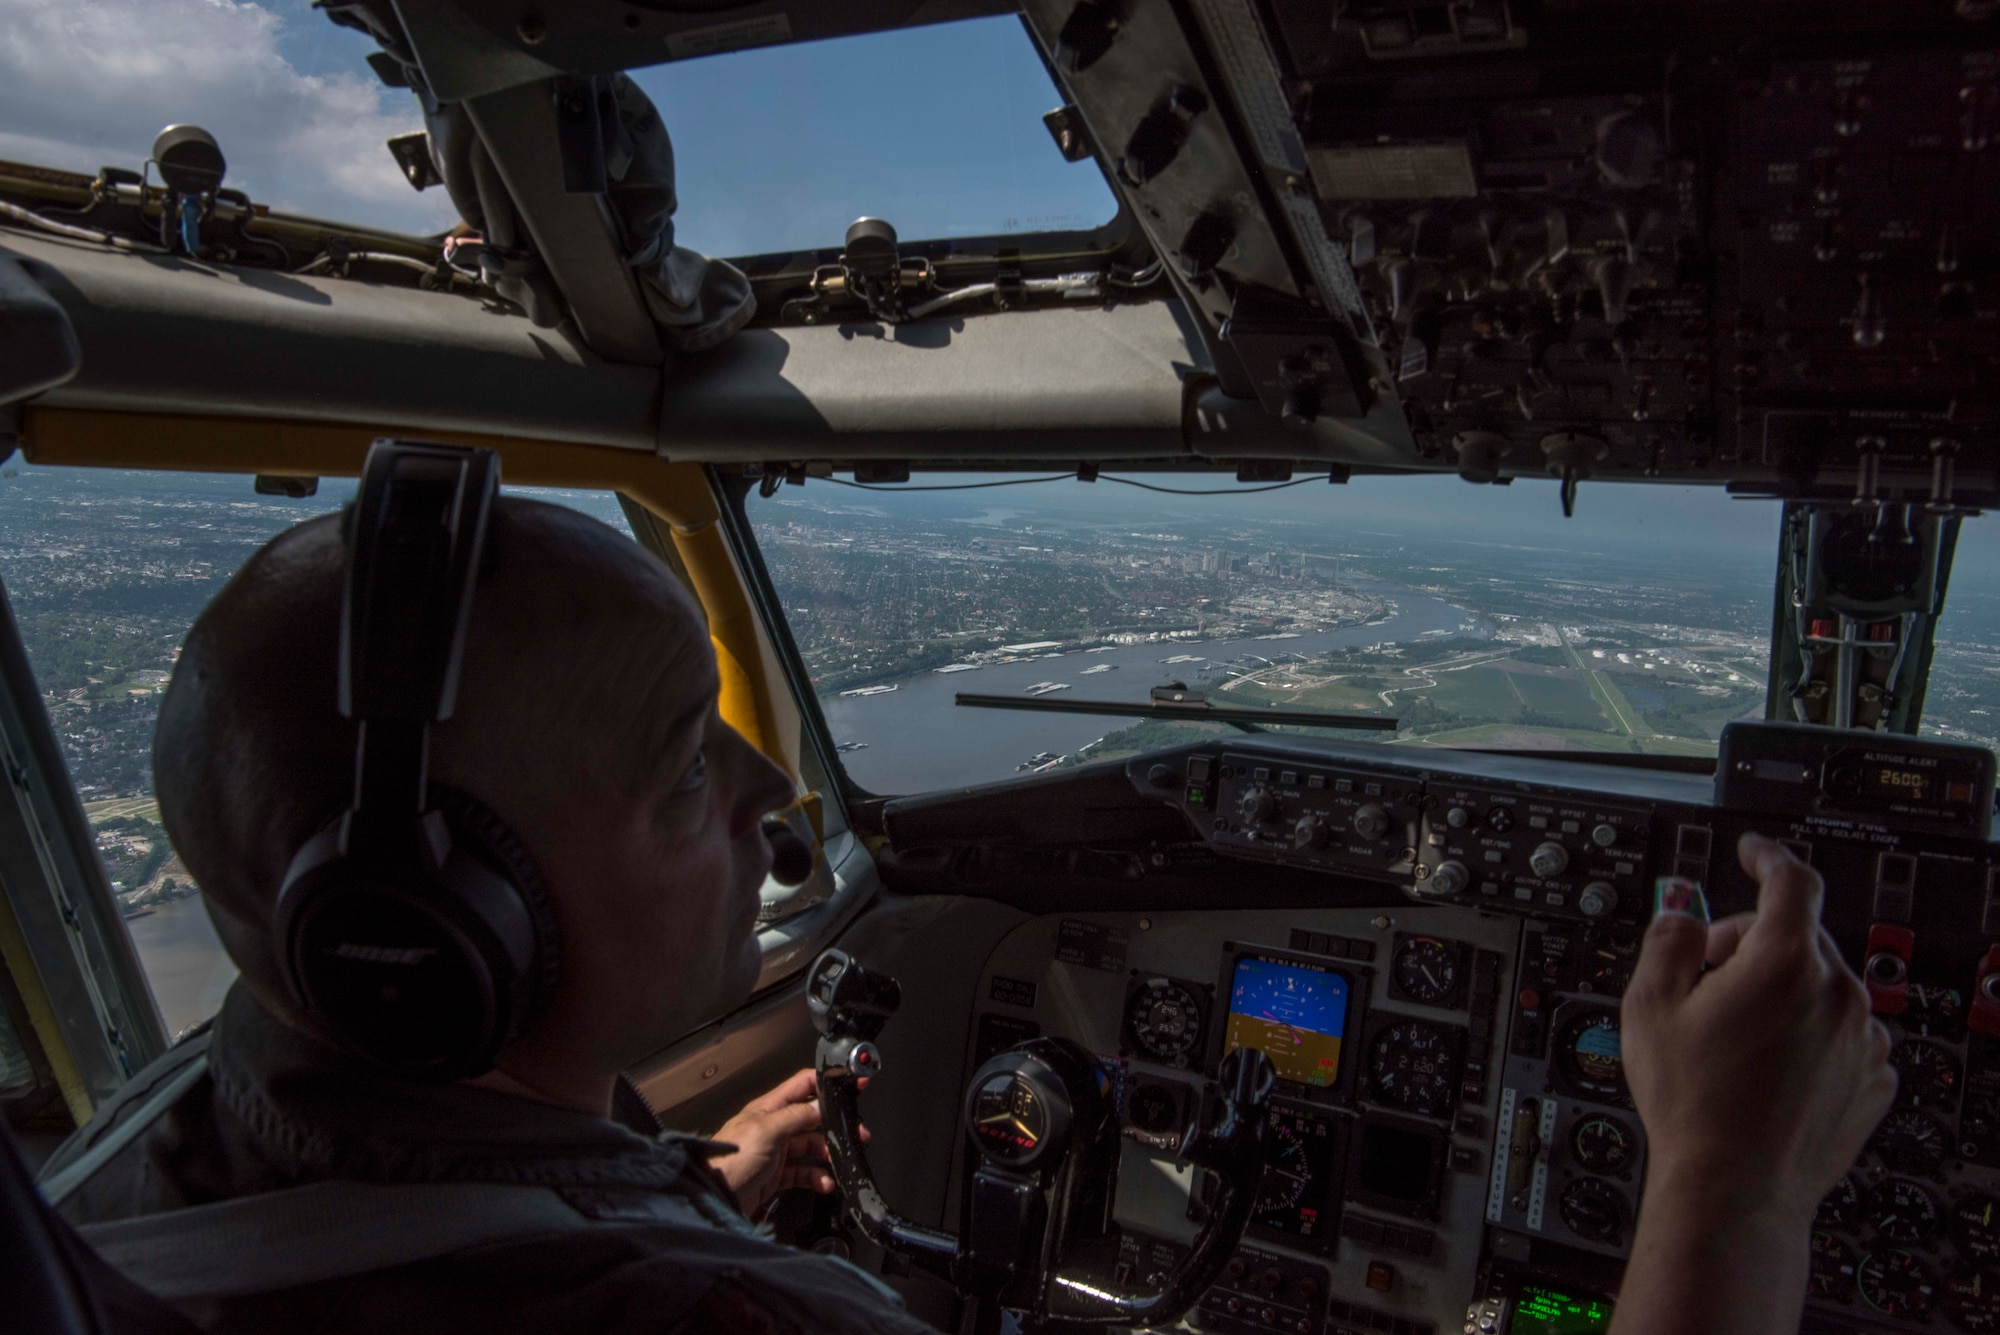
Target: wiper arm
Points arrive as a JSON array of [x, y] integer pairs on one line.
[[1194, 710]]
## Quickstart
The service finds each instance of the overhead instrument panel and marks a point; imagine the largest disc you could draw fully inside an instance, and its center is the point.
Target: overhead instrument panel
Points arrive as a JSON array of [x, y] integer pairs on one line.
[[1507, 238]]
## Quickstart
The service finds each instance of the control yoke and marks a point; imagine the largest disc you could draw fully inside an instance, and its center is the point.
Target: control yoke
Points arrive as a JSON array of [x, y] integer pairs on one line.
[[1045, 1135]]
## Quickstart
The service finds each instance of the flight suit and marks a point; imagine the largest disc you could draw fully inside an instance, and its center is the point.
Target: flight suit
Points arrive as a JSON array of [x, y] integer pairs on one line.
[[276, 1109]]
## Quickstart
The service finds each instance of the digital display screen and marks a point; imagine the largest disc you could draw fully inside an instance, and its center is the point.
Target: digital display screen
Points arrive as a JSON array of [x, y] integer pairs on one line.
[[1294, 1014], [1540, 1311], [1397, 1163], [1298, 1174], [1896, 784]]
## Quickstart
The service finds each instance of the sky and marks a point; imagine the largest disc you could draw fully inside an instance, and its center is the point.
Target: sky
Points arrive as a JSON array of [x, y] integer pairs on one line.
[[937, 129]]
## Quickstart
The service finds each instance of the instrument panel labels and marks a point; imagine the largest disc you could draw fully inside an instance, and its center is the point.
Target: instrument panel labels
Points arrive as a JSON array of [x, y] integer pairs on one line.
[[1092, 945]]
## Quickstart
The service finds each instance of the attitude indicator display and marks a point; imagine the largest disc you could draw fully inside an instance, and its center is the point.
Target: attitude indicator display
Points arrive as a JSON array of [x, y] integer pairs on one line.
[[1295, 1014]]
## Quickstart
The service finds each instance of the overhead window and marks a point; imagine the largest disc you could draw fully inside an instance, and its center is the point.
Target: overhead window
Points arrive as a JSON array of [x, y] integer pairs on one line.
[[937, 129]]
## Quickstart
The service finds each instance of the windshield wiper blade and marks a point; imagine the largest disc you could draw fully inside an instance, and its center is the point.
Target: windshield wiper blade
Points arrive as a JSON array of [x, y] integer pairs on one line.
[[1186, 711]]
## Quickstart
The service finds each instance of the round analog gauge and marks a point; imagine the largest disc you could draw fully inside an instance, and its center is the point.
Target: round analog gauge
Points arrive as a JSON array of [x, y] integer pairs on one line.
[[1935, 1010], [1971, 1298], [1911, 1142], [1981, 1118], [1841, 1208], [1902, 1211], [1287, 1172], [1929, 1073], [1832, 1275], [1608, 957], [1426, 971], [1153, 1108], [1009, 1118], [1895, 1283], [1592, 1210], [1975, 1226], [1413, 1065], [1590, 1054], [1164, 1020], [1603, 1144]]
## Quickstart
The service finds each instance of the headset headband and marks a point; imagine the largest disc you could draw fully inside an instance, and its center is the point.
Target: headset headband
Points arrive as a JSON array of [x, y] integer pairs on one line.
[[415, 538]]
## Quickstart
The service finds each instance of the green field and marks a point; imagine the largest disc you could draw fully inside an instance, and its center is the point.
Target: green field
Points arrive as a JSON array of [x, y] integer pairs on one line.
[[1569, 700], [1514, 737], [1477, 694]]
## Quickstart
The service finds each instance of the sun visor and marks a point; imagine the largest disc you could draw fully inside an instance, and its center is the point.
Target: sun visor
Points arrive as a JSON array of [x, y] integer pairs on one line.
[[1028, 384], [38, 347]]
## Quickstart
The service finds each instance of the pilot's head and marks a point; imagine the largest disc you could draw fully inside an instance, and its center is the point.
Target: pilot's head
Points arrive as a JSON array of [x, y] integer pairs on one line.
[[586, 719]]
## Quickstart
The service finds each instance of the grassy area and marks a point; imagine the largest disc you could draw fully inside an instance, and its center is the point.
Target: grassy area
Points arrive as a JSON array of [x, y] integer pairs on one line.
[[1568, 700], [115, 808], [1346, 697], [1514, 736], [1475, 693]]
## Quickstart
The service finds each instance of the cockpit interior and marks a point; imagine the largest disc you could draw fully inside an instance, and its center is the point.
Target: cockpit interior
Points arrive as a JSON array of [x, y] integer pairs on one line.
[[1225, 903]]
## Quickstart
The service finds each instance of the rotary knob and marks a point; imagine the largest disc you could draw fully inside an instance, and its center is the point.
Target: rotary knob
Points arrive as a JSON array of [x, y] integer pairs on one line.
[[1597, 899], [1549, 859], [1604, 835], [1457, 817], [1372, 821], [1257, 805], [1310, 832], [1449, 879]]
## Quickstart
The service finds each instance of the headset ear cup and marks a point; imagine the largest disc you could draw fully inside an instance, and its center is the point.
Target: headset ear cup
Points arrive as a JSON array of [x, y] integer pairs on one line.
[[478, 829]]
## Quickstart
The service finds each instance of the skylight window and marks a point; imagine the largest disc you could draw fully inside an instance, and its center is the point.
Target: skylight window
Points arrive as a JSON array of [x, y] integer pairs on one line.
[[301, 118], [937, 129]]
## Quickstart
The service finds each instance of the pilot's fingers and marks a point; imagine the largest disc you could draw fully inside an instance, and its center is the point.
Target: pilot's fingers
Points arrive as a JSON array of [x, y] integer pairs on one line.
[[1837, 968], [793, 1120], [805, 1177], [796, 1088], [1789, 892], [1725, 936], [1670, 957]]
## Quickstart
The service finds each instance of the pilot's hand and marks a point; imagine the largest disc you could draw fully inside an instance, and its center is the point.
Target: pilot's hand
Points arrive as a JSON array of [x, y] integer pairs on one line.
[[1758, 1082], [778, 1144]]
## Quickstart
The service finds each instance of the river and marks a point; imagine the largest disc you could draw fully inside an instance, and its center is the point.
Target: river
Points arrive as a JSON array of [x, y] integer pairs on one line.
[[918, 740], [183, 960]]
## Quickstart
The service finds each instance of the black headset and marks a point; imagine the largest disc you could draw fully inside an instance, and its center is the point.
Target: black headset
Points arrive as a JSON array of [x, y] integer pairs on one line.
[[414, 929]]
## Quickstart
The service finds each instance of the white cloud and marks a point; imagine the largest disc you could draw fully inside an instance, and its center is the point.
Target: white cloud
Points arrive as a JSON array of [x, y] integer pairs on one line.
[[86, 83]]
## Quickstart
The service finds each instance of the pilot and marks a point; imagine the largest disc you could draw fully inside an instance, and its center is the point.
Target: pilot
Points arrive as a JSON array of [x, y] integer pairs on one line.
[[587, 720]]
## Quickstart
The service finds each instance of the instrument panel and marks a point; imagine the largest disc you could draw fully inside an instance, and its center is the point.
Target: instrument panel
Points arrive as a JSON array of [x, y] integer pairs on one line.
[[1433, 954]]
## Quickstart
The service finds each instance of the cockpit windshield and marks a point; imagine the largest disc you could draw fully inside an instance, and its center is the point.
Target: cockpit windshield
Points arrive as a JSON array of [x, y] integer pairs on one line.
[[1474, 617]]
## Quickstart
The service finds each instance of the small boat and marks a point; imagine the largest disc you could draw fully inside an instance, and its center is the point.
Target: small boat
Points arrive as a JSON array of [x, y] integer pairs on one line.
[[1101, 667], [1046, 688]]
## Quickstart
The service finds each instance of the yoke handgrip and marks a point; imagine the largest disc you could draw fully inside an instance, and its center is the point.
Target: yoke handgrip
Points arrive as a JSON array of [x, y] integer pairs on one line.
[[849, 1006]]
